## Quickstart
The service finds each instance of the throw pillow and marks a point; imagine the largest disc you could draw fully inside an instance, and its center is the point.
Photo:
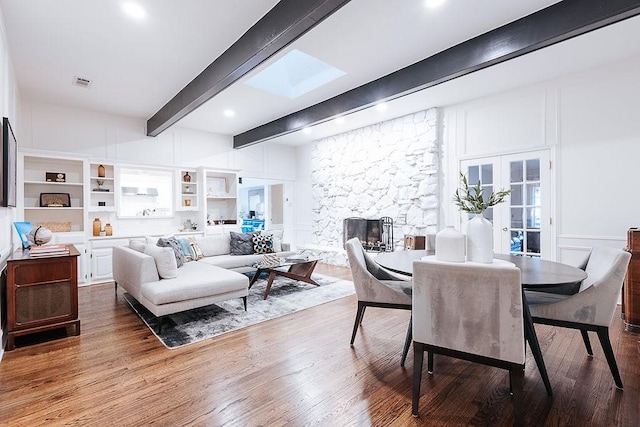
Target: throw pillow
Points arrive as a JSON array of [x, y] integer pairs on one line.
[[165, 261], [196, 248], [137, 245], [187, 249], [241, 244], [214, 245], [173, 243], [262, 244], [276, 236]]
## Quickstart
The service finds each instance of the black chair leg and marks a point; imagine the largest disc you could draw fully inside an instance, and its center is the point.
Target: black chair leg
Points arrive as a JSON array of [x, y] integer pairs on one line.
[[516, 376], [115, 288], [587, 343], [510, 383], [407, 342], [430, 362], [359, 316], [418, 357], [244, 300], [603, 334], [364, 307]]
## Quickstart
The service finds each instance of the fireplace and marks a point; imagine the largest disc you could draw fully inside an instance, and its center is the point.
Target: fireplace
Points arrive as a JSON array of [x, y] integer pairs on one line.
[[374, 234]]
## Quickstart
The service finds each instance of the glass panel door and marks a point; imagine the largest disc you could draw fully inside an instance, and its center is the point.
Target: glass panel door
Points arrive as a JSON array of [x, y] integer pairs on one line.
[[525, 207], [521, 223]]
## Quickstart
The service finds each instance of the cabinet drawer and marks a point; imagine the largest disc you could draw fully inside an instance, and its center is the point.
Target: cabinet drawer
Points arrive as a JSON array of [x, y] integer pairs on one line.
[[46, 271]]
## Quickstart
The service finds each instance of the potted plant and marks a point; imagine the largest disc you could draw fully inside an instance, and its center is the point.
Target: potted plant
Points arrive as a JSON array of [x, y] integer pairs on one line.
[[479, 229]]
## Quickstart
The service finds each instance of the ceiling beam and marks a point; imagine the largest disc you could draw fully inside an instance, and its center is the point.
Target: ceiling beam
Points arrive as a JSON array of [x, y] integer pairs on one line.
[[554, 24], [282, 25]]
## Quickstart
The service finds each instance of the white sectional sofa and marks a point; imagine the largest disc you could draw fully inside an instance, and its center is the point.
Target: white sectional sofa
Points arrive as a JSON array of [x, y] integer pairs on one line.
[[215, 277]]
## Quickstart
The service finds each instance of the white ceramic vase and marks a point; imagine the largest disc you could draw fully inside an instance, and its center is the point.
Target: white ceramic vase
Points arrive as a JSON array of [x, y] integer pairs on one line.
[[450, 245], [479, 240]]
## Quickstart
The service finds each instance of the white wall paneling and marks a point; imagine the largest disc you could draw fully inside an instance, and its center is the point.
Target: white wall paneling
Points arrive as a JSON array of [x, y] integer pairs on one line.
[[589, 121]]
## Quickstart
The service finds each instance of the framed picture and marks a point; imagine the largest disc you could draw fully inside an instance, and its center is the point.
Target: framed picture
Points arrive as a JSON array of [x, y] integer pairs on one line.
[[55, 200], [217, 187], [9, 153], [55, 177]]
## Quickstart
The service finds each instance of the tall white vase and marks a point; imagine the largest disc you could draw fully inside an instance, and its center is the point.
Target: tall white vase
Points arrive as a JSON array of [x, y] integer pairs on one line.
[[479, 240]]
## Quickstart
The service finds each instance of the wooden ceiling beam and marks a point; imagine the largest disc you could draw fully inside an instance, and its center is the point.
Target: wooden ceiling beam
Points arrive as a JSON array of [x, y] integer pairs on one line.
[[281, 26], [554, 24]]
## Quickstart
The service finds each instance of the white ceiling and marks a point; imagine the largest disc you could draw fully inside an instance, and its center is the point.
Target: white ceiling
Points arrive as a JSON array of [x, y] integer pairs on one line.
[[137, 66]]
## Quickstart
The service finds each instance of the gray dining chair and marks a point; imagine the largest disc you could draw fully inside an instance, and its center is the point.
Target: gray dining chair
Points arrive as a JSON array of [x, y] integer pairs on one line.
[[592, 308], [376, 287], [469, 311]]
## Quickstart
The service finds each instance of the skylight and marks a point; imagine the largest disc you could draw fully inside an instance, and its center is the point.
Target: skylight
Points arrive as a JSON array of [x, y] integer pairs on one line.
[[294, 74]]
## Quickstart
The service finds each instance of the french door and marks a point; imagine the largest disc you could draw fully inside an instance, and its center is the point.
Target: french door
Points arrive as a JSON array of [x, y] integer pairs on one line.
[[522, 224]]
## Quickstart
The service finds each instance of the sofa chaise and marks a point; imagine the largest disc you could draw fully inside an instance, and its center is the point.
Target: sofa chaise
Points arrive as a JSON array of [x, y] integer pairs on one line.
[[215, 276]]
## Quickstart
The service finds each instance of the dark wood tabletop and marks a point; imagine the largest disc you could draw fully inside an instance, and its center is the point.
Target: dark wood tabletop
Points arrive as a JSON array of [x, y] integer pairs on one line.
[[535, 272]]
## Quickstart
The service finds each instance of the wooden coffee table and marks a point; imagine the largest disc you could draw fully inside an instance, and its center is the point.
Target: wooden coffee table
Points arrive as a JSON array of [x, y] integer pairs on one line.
[[297, 270]]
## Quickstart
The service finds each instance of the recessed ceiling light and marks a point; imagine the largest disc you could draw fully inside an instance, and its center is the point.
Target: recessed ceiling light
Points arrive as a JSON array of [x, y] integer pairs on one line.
[[229, 113], [340, 120], [382, 106], [432, 4], [134, 10], [306, 130]]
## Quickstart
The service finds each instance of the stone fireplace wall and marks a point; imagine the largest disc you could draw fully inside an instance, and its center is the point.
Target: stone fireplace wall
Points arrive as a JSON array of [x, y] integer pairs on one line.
[[388, 169]]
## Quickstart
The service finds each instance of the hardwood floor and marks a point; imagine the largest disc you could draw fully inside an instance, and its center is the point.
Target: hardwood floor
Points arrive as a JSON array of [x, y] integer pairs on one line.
[[298, 370]]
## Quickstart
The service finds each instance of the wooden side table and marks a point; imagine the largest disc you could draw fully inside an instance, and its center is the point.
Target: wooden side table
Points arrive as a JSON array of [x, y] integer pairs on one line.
[[42, 294]]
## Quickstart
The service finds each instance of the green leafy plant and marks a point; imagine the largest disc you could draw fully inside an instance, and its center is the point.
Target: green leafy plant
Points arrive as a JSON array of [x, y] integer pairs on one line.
[[471, 200]]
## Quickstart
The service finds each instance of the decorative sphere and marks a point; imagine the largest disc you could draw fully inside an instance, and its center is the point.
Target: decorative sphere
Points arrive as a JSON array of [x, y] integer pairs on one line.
[[40, 235]]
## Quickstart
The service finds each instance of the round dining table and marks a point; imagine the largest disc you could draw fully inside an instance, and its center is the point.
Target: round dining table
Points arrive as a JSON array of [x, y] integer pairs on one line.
[[535, 273]]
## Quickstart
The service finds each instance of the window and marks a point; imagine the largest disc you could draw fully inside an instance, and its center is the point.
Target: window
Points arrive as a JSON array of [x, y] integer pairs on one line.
[[145, 193]]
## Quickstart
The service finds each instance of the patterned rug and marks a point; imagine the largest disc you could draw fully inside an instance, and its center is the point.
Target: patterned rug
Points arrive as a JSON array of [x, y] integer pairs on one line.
[[286, 296]]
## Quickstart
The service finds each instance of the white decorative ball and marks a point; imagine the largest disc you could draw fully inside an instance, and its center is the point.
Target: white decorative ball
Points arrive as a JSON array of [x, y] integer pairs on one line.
[[40, 235]]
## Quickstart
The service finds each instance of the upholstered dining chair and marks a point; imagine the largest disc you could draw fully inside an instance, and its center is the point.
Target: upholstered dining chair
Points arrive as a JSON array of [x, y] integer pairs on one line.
[[376, 287], [469, 311], [592, 308]]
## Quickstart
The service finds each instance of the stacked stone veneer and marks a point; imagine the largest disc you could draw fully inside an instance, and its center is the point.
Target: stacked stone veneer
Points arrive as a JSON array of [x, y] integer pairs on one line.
[[388, 169]]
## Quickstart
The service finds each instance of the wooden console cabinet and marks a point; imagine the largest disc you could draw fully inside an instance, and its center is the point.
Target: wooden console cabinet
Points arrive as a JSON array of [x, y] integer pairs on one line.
[[631, 289], [42, 294]]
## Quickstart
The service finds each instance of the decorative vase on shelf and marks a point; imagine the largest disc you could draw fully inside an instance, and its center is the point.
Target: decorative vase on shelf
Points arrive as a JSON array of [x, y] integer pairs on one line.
[[97, 226], [450, 245], [108, 230], [100, 171], [479, 240], [186, 177]]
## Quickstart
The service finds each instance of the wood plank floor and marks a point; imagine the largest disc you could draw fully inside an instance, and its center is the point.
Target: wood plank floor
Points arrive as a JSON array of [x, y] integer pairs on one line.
[[297, 370]]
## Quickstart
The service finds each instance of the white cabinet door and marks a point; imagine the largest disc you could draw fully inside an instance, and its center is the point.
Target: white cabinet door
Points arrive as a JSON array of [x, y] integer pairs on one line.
[[101, 269], [83, 275]]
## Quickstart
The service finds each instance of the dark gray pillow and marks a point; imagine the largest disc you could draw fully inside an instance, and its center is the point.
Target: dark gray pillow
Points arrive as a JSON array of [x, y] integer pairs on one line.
[[241, 244], [172, 242]]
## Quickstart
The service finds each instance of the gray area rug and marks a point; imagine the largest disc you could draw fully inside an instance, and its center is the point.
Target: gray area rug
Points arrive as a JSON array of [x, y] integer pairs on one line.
[[286, 296]]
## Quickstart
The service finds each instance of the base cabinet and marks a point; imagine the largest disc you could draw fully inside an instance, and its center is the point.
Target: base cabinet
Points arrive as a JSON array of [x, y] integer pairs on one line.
[[101, 258], [42, 294], [101, 269]]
